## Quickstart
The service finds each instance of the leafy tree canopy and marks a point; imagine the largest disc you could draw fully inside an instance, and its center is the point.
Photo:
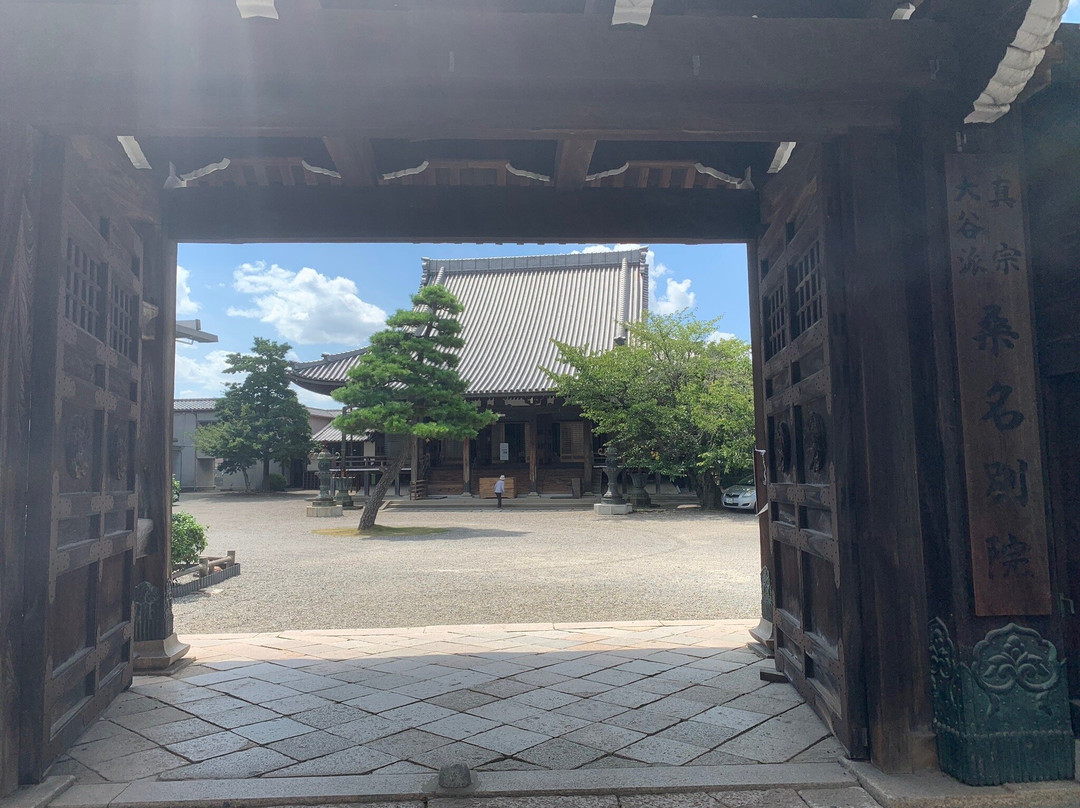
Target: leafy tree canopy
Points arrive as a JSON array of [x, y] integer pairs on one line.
[[670, 400], [260, 418], [407, 383]]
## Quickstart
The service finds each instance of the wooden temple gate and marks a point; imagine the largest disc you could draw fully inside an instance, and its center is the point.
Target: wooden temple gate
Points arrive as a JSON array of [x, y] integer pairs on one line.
[[910, 536]]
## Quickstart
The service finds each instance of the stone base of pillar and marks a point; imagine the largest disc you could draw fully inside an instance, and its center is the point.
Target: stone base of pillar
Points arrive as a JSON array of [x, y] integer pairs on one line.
[[324, 510], [157, 655], [609, 509], [534, 493], [466, 495]]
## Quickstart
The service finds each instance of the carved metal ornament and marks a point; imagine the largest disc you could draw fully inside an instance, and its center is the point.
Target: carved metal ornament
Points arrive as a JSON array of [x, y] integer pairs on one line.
[[1015, 657], [782, 445], [767, 602], [77, 447], [816, 445], [153, 614], [1003, 717], [948, 697]]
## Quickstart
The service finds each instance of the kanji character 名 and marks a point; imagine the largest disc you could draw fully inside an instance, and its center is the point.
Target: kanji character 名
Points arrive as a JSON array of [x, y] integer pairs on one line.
[[1003, 419]]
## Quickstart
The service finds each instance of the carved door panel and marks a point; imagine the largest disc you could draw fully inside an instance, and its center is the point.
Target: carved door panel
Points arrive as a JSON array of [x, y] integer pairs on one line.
[[84, 500], [815, 587]]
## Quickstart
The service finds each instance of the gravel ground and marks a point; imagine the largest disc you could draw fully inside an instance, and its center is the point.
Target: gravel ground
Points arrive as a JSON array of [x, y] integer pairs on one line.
[[491, 566]]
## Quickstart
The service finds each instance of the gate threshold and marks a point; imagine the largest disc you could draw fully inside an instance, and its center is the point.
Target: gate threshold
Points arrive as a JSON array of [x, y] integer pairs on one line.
[[605, 786]]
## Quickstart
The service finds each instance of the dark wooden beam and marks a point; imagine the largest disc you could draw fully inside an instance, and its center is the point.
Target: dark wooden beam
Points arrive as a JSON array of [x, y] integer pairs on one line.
[[353, 159], [572, 158], [459, 214], [197, 68]]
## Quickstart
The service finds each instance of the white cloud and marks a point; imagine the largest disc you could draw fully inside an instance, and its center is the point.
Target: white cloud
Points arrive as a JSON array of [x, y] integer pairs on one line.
[[677, 295], [306, 307], [676, 298], [201, 376], [310, 399], [717, 336], [184, 303]]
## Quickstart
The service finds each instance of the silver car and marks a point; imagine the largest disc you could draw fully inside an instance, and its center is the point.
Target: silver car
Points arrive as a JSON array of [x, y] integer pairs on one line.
[[742, 496]]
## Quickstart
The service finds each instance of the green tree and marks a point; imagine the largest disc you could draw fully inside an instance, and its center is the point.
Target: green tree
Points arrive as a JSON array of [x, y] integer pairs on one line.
[[407, 383], [260, 418], [670, 400]]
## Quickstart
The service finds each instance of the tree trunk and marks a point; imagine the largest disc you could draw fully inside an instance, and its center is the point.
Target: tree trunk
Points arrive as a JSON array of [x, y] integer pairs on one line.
[[266, 473], [709, 492], [247, 482], [378, 493]]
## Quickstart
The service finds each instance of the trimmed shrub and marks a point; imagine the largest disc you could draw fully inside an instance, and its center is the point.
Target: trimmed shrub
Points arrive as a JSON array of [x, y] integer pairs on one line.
[[175, 490], [188, 539], [276, 482]]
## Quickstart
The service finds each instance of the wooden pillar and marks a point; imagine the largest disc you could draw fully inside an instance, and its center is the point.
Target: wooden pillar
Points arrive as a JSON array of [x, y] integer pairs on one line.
[[586, 440], [880, 400], [19, 214], [37, 554], [531, 444], [763, 632], [414, 470], [466, 468], [156, 645]]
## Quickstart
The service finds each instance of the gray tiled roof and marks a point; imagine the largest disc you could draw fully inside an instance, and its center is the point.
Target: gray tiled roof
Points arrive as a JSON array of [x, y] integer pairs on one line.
[[514, 308], [331, 434], [323, 375], [194, 404]]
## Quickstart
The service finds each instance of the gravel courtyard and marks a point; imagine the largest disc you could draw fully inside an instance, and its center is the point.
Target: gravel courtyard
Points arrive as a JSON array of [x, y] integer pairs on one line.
[[510, 566]]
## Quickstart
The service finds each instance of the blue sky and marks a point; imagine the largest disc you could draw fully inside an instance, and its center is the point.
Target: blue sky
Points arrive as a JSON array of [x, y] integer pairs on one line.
[[326, 298]]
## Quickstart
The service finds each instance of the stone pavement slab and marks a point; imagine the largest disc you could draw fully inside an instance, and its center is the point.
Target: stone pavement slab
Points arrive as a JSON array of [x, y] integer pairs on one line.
[[608, 699]]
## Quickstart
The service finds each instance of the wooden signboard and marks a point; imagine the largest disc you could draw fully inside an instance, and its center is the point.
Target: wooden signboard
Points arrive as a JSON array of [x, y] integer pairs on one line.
[[996, 365]]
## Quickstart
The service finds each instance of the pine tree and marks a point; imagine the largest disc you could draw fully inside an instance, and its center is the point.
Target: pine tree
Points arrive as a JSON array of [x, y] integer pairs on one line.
[[260, 418], [407, 383]]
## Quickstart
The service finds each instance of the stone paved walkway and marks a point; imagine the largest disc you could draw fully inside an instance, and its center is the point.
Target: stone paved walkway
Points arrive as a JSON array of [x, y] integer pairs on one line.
[[407, 701]]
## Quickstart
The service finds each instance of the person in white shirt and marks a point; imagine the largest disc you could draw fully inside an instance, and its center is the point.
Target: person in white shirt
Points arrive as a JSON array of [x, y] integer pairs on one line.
[[500, 487]]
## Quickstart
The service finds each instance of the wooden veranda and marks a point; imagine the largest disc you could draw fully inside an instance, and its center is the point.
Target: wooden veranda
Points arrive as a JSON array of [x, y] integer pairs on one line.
[[905, 177]]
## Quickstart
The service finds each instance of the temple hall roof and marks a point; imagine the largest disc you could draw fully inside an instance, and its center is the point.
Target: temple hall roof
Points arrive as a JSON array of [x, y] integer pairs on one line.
[[514, 308]]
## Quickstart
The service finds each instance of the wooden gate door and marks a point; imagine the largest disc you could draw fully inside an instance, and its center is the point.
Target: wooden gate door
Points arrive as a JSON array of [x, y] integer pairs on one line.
[[83, 500], [808, 441]]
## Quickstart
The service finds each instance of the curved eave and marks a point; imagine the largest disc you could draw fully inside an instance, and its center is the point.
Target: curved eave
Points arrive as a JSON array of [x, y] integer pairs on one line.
[[323, 387]]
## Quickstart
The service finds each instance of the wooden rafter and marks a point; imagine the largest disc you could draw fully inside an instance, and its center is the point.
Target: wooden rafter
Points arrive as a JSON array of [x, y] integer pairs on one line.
[[353, 159], [572, 158]]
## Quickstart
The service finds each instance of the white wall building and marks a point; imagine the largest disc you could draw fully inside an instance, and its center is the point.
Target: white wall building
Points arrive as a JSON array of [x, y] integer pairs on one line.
[[196, 472]]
